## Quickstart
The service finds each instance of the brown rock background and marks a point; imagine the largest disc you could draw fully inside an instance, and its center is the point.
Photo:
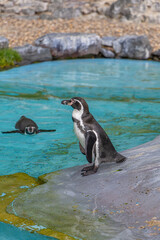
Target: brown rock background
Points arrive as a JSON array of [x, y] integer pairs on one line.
[[23, 21]]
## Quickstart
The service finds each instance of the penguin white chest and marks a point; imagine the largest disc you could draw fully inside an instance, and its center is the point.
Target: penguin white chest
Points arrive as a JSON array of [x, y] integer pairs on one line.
[[79, 135]]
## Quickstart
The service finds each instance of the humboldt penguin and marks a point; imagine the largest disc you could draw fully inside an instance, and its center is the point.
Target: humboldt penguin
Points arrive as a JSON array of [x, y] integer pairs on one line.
[[93, 140], [27, 126]]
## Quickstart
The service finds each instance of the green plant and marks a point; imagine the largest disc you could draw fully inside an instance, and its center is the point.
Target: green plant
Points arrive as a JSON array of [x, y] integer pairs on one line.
[[8, 57]]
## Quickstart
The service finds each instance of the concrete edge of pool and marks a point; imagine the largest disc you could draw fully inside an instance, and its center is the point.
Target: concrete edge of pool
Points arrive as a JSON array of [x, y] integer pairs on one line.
[[122, 199]]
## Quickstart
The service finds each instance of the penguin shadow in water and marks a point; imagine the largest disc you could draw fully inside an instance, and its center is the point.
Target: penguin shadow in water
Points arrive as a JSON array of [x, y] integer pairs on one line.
[[28, 127], [93, 140]]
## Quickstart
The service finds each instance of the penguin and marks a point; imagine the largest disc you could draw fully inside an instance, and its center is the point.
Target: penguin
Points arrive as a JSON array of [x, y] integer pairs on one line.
[[93, 140], [27, 126]]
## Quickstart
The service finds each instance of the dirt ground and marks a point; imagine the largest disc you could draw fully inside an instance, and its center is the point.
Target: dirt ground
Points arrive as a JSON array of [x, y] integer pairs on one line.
[[22, 31]]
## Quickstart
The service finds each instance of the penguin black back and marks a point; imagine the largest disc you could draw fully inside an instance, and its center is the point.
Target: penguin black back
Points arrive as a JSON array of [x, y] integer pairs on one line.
[[23, 122]]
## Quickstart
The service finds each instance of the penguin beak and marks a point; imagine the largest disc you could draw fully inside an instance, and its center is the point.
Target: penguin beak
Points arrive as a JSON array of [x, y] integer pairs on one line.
[[68, 102]]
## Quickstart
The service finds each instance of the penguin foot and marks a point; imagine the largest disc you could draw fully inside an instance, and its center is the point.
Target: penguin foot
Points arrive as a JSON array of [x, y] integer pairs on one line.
[[85, 169], [88, 173], [89, 170]]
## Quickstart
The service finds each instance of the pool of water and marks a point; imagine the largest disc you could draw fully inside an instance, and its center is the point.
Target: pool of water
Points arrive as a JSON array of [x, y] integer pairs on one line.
[[123, 95], [8, 232]]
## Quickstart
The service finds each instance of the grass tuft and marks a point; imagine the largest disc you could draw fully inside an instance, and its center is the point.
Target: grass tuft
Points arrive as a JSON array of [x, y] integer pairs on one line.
[[8, 58]]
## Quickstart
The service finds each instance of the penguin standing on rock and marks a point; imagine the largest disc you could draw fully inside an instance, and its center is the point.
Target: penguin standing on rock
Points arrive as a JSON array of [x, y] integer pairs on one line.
[[27, 126], [93, 141]]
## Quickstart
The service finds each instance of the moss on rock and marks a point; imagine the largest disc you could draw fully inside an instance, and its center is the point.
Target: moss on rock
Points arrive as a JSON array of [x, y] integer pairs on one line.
[[10, 188]]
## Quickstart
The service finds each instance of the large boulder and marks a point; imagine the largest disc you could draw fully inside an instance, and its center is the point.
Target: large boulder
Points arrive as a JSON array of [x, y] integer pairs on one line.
[[132, 46], [31, 54], [72, 45], [3, 42], [120, 201]]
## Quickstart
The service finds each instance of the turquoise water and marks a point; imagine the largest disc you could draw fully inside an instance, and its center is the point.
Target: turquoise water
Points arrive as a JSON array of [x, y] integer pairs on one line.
[[123, 95], [8, 232]]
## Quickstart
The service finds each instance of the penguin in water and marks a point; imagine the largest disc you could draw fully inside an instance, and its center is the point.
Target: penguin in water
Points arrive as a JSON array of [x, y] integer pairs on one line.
[[93, 140], [27, 126]]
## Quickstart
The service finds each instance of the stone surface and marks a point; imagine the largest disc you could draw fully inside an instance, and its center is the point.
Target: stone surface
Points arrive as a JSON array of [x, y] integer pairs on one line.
[[73, 45], [135, 47], [31, 54], [65, 9], [120, 201], [107, 53], [65, 13], [3, 42], [137, 10], [108, 41]]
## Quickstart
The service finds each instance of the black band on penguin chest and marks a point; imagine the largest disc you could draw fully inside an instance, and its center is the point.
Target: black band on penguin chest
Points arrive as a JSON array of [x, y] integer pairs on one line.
[[78, 124]]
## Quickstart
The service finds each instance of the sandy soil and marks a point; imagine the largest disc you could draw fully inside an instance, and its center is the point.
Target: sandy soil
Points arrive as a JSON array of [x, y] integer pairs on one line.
[[22, 31]]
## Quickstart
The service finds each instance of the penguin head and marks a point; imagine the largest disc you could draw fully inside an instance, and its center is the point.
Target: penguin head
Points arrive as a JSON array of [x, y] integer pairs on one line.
[[30, 130], [77, 103]]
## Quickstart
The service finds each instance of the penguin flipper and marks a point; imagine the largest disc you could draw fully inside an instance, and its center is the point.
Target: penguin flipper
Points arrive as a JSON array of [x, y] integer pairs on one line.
[[43, 130], [89, 143], [14, 131], [81, 149]]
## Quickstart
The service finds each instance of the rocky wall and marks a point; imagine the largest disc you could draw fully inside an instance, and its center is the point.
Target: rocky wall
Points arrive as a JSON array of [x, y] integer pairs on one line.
[[134, 10], [52, 9]]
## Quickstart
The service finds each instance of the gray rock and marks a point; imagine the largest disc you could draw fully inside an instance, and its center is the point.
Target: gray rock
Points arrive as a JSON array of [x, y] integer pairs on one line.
[[23, 3], [31, 54], [108, 41], [138, 10], [25, 7], [48, 16], [3, 42], [37, 6], [66, 13], [156, 7], [121, 8], [16, 10], [40, 6], [28, 11], [107, 53], [156, 55], [111, 204], [63, 45], [8, 4], [135, 47]]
